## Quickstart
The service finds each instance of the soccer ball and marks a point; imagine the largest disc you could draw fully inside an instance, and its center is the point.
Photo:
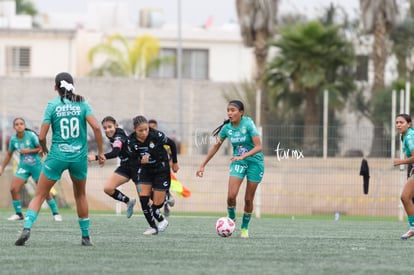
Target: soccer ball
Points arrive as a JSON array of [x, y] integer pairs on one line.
[[225, 227]]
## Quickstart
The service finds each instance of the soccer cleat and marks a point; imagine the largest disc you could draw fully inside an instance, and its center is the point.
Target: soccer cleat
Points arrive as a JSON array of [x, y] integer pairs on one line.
[[23, 237], [407, 235], [244, 233], [130, 207], [166, 211], [162, 225], [86, 241], [171, 200], [57, 218], [151, 231], [16, 217]]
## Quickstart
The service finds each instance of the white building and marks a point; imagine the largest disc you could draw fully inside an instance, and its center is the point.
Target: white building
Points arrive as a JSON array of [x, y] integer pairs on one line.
[[208, 54]]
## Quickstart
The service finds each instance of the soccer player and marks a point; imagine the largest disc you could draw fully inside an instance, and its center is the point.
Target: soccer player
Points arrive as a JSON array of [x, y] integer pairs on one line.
[[247, 160], [68, 116], [169, 199], [128, 168], [154, 172], [403, 123], [26, 143]]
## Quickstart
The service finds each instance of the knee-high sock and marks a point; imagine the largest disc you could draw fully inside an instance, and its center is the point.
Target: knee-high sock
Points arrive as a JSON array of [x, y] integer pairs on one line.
[[31, 217], [119, 196], [84, 226], [411, 222], [157, 213], [53, 206], [231, 212], [17, 205], [147, 210], [246, 220]]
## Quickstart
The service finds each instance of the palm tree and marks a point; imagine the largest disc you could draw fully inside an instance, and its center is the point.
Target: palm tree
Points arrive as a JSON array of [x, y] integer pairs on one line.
[[124, 59], [379, 17], [311, 58], [25, 7], [257, 21]]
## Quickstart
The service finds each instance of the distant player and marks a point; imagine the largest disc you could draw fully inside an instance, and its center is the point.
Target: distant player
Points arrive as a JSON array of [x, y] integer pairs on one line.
[[128, 168], [26, 143], [403, 123]]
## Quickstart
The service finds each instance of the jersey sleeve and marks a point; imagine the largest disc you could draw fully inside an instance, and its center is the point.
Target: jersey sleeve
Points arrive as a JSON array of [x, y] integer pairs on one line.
[[252, 128], [410, 143], [34, 139], [223, 132], [11, 144], [88, 109], [47, 116]]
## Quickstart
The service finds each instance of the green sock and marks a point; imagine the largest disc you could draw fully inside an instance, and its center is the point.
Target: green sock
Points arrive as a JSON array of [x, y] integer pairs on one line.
[[84, 226], [246, 220], [231, 212], [17, 205], [31, 217], [411, 221], [53, 206]]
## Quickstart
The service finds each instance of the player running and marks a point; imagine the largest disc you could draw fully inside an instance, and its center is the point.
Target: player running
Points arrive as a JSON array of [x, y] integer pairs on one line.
[[247, 160], [154, 172], [128, 167], [26, 143]]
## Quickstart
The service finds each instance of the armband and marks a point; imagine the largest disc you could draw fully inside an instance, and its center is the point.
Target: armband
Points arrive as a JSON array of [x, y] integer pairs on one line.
[[96, 157]]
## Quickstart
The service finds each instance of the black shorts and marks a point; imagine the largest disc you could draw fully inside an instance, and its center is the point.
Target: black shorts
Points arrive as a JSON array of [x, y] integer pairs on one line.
[[159, 178], [128, 171]]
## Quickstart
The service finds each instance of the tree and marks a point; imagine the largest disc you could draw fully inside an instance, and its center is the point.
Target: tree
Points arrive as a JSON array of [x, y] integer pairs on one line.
[[120, 58], [257, 19], [26, 7], [378, 17], [310, 58]]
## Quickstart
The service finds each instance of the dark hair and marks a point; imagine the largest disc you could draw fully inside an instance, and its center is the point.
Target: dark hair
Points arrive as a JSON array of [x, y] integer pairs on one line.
[[138, 120], [153, 121], [26, 129], [236, 103], [406, 117], [64, 85], [109, 119]]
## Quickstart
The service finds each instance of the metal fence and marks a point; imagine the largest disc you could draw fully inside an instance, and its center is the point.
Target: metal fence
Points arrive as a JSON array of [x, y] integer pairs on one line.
[[294, 182]]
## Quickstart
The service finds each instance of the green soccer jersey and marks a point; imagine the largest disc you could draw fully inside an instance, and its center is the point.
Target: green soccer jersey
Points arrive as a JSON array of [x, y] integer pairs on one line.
[[68, 122], [408, 142], [29, 141], [241, 138]]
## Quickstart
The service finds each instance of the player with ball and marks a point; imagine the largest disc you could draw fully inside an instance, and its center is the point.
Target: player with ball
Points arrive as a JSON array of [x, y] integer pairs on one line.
[[247, 160]]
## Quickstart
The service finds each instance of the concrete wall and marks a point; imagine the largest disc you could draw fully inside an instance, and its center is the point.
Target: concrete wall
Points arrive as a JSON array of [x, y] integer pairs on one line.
[[203, 106]]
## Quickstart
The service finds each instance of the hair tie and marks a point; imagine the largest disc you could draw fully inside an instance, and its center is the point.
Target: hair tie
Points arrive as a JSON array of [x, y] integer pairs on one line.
[[68, 86]]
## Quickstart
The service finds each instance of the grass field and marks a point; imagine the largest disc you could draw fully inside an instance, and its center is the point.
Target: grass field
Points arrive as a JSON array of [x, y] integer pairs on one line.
[[190, 246]]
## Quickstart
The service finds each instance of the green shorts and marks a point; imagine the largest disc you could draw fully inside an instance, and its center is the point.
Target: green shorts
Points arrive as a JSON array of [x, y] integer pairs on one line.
[[53, 168], [253, 170], [24, 171]]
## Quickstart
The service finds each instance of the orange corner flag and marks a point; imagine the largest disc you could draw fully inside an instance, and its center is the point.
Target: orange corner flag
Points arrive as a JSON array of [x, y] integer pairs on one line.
[[178, 187]]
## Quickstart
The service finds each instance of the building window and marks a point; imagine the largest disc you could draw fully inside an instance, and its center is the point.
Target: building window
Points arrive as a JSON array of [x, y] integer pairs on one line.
[[18, 60], [195, 64], [361, 71]]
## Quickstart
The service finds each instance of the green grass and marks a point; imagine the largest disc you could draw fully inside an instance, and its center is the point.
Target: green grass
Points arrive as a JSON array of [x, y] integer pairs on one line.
[[277, 245]]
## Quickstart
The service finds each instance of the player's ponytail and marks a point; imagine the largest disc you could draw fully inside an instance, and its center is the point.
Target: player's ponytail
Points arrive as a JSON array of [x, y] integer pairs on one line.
[[64, 85], [218, 129]]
